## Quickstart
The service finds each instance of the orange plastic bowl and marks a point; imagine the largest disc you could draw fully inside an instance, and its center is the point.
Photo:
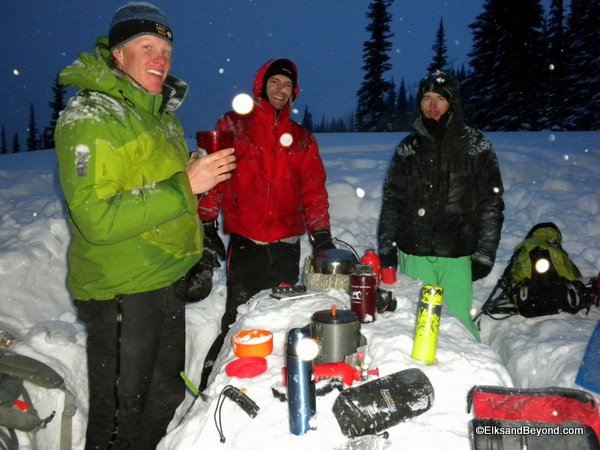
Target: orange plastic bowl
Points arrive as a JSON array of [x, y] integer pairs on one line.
[[252, 343]]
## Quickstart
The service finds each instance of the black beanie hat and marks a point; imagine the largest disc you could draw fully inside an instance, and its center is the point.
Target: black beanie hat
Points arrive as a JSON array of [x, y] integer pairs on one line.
[[135, 19], [280, 67], [439, 82]]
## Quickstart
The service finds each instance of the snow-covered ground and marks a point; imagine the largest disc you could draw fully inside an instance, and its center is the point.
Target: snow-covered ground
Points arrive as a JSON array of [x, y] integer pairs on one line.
[[547, 177]]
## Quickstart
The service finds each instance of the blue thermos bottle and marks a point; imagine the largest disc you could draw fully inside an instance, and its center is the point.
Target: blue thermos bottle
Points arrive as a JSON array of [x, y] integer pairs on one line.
[[302, 399]]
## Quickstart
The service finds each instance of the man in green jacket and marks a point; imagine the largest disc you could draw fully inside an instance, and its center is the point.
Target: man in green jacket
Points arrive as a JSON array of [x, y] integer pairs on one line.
[[130, 187]]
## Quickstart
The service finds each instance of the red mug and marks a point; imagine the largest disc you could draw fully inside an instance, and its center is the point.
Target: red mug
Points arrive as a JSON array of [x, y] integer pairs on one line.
[[388, 275], [214, 140]]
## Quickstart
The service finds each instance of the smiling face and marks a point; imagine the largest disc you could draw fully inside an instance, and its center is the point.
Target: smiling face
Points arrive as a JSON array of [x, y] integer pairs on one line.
[[279, 90], [146, 59]]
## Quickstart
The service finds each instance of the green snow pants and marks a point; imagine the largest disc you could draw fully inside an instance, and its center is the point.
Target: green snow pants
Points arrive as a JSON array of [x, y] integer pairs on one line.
[[453, 275]]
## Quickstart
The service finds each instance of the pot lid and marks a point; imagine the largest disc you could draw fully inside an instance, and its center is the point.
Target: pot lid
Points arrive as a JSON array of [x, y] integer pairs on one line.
[[335, 255], [333, 316]]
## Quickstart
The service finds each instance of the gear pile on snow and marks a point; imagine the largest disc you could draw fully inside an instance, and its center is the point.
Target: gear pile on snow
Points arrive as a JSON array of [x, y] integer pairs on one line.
[[540, 279]]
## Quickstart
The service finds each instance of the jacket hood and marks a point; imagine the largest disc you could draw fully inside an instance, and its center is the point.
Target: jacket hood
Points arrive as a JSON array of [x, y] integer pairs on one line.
[[259, 79], [94, 71]]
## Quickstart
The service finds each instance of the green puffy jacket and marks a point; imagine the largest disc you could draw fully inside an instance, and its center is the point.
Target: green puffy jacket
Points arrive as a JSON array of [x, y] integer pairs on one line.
[[122, 156]]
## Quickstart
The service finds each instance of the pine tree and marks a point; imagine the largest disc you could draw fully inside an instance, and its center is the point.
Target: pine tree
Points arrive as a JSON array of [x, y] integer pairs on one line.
[[371, 113], [307, 119], [440, 50], [16, 147], [351, 122], [391, 122], [403, 108], [57, 105], [33, 142], [475, 93], [459, 74], [340, 126], [583, 81], [507, 60], [323, 125], [3, 147], [556, 68]]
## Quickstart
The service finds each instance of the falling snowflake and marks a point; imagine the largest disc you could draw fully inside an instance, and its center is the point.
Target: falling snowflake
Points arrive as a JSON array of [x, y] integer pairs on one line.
[[242, 104], [286, 139]]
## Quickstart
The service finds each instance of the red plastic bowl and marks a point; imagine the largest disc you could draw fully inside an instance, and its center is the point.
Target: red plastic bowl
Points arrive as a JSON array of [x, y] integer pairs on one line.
[[246, 367]]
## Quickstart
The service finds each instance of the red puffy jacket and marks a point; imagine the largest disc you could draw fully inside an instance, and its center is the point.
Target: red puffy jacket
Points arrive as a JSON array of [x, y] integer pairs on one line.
[[278, 188]]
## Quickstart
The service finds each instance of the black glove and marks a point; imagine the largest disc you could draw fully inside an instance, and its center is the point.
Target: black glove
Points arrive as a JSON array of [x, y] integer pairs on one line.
[[212, 240], [197, 283], [479, 270], [321, 240]]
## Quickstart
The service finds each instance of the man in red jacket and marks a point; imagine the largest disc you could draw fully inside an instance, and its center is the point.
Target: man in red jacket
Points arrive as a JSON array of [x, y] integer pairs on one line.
[[275, 195]]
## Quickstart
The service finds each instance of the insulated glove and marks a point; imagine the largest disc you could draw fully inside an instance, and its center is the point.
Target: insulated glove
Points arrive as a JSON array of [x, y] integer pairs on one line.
[[479, 270], [321, 240], [213, 242], [197, 283]]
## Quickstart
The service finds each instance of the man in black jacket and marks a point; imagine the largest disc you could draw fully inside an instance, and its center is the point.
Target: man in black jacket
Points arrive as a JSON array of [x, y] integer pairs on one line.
[[442, 206]]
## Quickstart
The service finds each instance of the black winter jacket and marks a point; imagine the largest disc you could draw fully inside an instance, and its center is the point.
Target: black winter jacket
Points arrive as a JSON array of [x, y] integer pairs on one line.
[[442, 197]]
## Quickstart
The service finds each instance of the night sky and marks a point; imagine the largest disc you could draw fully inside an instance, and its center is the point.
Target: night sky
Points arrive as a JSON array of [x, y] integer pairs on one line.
[[219, 45]]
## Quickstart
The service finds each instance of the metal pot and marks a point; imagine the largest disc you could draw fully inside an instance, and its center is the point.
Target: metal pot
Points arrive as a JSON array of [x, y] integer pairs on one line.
[[334, 261], [338, 333]]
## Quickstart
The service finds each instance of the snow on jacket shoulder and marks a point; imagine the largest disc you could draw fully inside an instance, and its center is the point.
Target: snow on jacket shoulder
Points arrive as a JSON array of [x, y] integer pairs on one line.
[[278, 188], [121, 157]]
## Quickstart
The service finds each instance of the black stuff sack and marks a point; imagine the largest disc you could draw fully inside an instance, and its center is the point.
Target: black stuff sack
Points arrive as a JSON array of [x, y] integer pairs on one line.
[[382, 403]]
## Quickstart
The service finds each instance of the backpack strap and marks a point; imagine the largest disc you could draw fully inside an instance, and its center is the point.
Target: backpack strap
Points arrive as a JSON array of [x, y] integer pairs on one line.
[[66, 427], [40, 374], [9, 439], [498, 305]]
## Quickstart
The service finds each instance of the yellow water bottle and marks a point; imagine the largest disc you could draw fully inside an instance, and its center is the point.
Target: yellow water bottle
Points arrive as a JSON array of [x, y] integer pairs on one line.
[[428, 324]]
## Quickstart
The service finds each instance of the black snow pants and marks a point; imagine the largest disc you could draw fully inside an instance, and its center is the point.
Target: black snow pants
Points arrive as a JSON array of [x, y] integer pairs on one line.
[[135, 352], [251, 268]]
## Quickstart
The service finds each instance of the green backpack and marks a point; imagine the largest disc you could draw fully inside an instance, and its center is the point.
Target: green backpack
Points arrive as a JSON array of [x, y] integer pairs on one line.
[[540, 279], [17, 411]]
